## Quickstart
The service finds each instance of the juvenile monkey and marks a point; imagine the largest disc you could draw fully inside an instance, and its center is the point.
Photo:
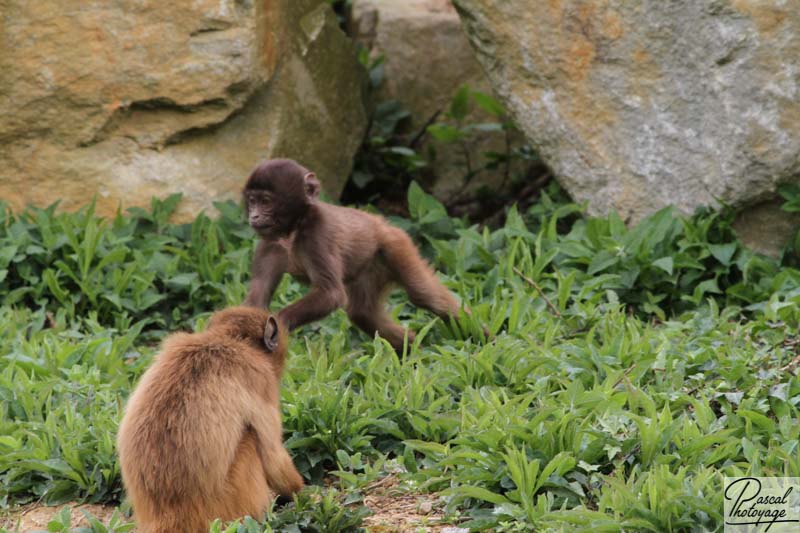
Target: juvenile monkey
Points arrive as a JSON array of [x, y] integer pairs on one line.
[[201, 437], [348, 257]]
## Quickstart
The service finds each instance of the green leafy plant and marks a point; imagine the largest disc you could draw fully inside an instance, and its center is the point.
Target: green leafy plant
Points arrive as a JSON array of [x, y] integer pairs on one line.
[[627, 372], [457, 127], [393, 155], [791, 195], [132, 268], [314, 510]]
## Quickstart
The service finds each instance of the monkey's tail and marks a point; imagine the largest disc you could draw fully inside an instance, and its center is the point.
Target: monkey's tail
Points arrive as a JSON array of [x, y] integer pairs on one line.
[[413, 272], [402, 255]]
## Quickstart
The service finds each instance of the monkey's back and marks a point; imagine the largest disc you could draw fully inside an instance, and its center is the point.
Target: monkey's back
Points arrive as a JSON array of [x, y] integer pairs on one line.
[[359, 234], [185, 420]]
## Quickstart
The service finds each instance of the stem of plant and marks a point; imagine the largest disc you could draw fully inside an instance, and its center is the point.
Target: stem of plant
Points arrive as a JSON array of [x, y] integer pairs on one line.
[[536, 286]]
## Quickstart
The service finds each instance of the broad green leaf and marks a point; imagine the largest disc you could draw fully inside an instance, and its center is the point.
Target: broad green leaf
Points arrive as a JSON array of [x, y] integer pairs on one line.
[[488, 103], [665, 264], [459, 106]]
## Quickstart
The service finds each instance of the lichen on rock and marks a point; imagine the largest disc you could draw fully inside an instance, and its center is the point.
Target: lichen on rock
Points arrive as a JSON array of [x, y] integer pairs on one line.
[[638, 105]]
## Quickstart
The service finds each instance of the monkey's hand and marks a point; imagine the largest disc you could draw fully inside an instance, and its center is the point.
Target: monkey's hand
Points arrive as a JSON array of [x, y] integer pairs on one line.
[[295, 484], [288, 481]]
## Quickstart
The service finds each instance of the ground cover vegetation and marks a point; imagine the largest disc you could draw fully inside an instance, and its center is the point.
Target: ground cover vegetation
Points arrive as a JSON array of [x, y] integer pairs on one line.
[[629, 369]]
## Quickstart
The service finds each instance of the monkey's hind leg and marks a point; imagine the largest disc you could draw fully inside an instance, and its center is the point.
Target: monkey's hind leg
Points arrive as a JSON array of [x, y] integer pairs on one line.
[[387, 328], [366, 309]]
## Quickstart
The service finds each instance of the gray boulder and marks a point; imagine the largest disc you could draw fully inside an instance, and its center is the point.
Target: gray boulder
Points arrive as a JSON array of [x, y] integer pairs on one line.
[[637, 105]]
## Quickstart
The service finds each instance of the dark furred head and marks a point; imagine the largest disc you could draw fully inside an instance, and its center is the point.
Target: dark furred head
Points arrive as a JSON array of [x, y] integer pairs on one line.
[[255, 326], [277, 196]]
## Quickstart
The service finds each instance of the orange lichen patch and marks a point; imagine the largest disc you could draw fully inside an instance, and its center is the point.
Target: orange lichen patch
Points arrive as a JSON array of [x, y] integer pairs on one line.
[[766, 18], [579, 59], [97, 43], [591, 116], [629, 195], [648, 74], [267, 20], [555, 8], [588, 25], [586, 11], [790, 117], [612, 25], [587, 109], [640, 56]]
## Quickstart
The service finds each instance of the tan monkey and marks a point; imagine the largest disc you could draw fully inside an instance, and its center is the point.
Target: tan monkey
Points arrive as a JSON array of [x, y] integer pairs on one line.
[[201, 437]]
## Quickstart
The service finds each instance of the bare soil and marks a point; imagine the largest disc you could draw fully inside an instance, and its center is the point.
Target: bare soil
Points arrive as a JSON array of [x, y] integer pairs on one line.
[[394, 511], [35, 517]]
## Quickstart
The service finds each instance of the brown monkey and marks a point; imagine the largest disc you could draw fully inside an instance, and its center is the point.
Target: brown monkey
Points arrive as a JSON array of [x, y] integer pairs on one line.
[[201, 437], [348, 257]]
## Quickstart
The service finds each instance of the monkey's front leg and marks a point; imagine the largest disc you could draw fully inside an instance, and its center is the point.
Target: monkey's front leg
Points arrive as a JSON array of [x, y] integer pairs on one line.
[[317, 304], [324, 269], [269, 263]]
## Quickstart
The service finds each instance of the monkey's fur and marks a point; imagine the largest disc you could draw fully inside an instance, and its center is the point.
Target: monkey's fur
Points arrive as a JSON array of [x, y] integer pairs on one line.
[[349, 258], [201, 437]]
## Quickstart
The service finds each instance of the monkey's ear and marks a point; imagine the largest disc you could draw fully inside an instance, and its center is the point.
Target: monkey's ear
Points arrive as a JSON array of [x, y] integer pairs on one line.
[[271, 335], [311, 184]]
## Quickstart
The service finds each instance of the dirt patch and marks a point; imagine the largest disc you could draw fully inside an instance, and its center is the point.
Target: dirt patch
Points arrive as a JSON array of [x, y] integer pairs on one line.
[[396, 511], [35, 517]]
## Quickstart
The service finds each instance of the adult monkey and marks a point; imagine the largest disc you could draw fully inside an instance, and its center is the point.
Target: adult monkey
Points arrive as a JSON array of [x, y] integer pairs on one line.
[[348, 257], [201, 437]]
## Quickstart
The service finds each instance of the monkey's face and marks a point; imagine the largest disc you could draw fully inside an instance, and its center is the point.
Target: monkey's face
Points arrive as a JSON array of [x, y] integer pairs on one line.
[[277, 196], [261, 213]]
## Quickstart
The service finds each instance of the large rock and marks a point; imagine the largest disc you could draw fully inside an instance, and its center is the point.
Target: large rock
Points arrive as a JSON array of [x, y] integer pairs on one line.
[[636, 105], [427, 58], [133, 99], [766, 228]]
